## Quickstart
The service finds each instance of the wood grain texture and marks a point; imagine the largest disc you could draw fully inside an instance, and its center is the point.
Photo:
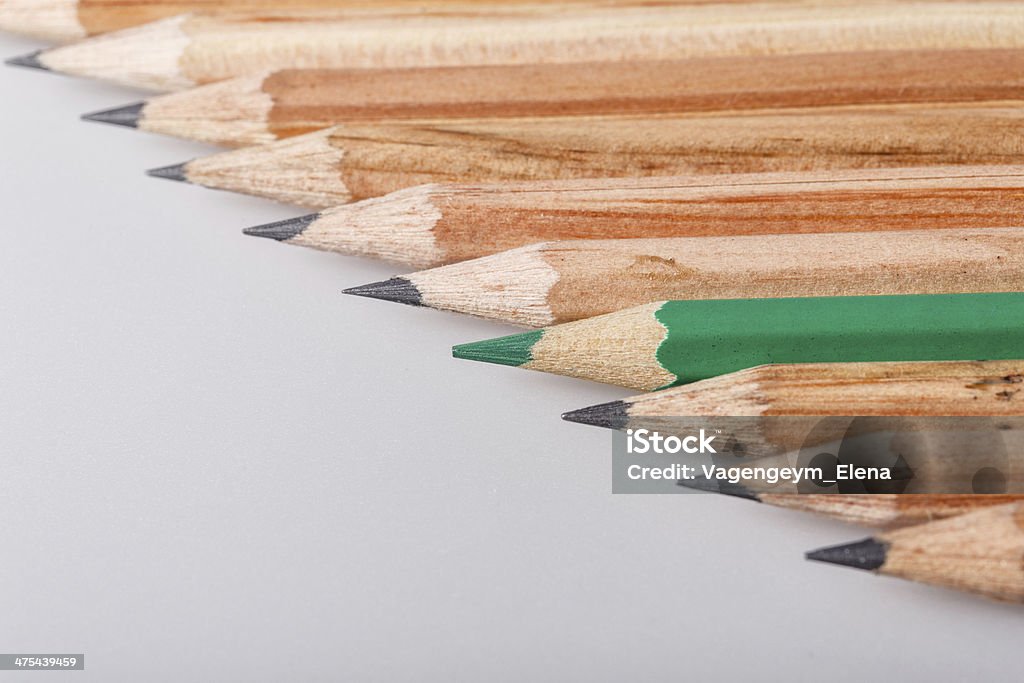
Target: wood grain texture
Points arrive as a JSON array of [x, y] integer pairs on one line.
[[946, 388], [433, 225], [981, 552], [372, 160], [298, 101], [888, 511], [555, 282], [67, 20], [208, 48]]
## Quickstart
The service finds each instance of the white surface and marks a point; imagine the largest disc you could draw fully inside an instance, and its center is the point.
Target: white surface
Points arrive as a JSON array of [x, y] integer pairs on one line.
[[215, 466]]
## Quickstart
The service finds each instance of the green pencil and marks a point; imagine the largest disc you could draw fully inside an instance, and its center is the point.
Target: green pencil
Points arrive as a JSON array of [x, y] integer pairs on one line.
[[673, 342]]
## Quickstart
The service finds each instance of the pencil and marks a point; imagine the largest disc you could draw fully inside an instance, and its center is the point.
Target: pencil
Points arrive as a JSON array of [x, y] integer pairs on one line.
[[556, 282], [188, 50], [922, 388], [64, 21], [673, 342], [433, 225], [979, 552], [263, 108], [882, 510], [357, 161]]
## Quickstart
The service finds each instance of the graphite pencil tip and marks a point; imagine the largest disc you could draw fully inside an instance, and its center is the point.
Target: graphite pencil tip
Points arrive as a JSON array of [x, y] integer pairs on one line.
[[516, 349], [613, 415], [121, 116], [176, 172], [724, 487], [867, 554], [282, 231], [396, 289], [31, 61]]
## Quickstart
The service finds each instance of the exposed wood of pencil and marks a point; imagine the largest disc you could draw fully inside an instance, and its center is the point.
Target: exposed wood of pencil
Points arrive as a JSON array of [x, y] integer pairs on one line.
[[432, 225], [358, 161], [260, 109], [68, 20], [981, 552], [944, 388], [887, 511], [188, 50], [554, 282]]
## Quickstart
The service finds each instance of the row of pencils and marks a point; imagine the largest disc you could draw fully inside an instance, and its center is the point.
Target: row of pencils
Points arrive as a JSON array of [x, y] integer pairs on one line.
[[792, 207]]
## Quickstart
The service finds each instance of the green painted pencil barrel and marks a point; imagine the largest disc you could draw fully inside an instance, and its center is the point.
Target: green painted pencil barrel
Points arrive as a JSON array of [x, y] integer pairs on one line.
[[694, 340]]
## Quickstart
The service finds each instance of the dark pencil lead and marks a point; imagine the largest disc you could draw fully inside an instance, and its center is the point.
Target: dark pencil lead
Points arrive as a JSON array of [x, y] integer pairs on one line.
[[176, 172], [121, 116], [31, 61], [282, 231], [396, 289], [727, 488], [613, 415], [867, 554], [724, 487], [700, 483]]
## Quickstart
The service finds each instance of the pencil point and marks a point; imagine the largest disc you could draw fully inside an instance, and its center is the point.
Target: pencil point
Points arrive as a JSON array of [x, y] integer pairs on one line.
[[282, 231], [613, 415], [397, 289], [121, 116], [723, 487], [31, 61], [514, 349], [867, 554], [176, 172]]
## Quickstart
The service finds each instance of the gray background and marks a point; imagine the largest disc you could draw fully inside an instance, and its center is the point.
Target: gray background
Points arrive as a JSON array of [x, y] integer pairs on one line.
[[217, 467]]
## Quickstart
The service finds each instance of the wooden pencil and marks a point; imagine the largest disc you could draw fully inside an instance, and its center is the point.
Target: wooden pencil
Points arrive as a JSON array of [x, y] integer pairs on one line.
[[189, 50], [882, 510], [68, 20], [357, 161], [432, 225], [980, 552], [555, 282], [666, 343], [922, 388], [260, 109]]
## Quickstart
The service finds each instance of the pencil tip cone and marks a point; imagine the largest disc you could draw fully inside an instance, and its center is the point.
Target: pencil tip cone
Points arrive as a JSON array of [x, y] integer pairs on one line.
[[282, 231], [176, 172], [121, 116], [724, 487], [30, 61], [867, 554], [613, 415], [396, 289], [515, 349]]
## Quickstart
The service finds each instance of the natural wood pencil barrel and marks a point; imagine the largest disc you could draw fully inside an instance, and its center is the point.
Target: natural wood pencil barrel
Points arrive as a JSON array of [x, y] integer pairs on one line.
[[555, 282], [981, 552], [188, 50], [932, 388], [432, 225], [887, 511], [67, 20], [261, 109], [358, 161]]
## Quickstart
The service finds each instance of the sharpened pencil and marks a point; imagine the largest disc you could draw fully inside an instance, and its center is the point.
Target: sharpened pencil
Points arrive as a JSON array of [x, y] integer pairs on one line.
[[357, 161], [979, 552], [189, 50], [261, 109], [882, 510], [944, 388], [673, 342], [433, 225], [67, 20], [555, 282]]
